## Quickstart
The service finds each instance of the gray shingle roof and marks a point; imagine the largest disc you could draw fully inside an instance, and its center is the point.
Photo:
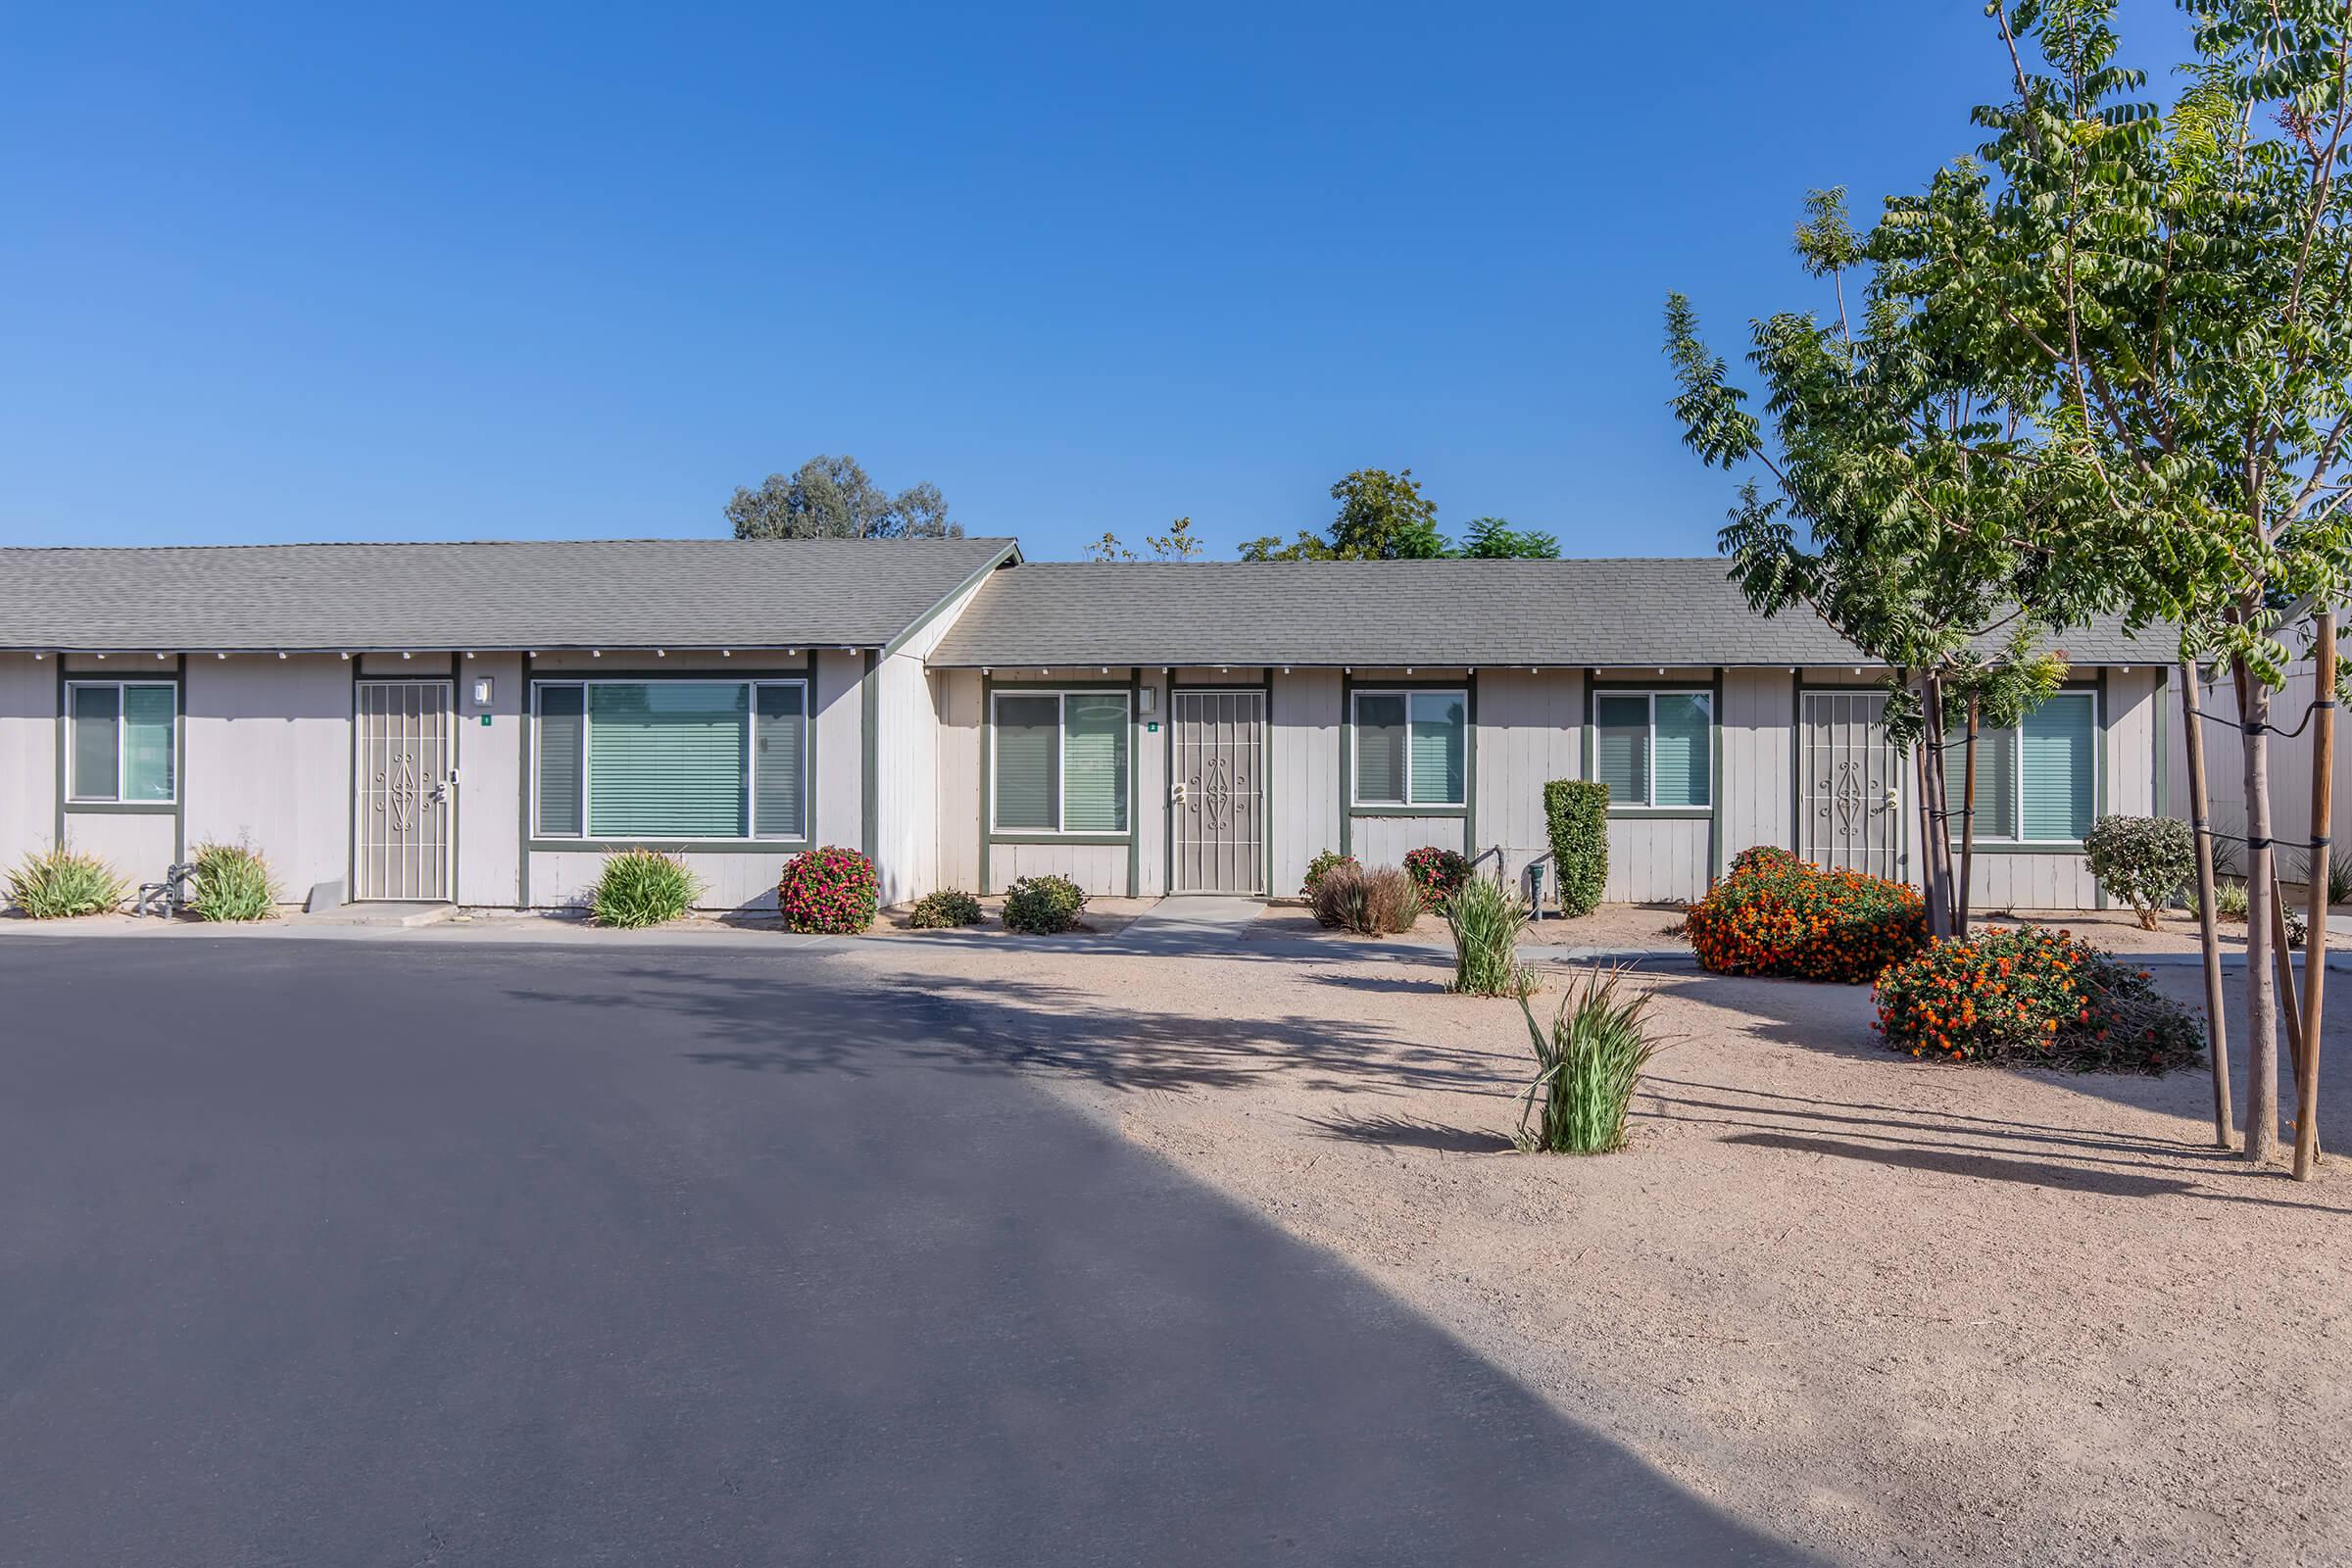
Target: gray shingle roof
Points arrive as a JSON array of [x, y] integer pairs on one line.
[[1394, 613], [632, 593]]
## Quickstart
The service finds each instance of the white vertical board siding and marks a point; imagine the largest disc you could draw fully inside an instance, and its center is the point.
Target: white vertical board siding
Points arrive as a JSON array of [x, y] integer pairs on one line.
[[743, 880], [955, 702], [138, 846], [267, 761], [490, 781], [1654, 859], [27, 756], [1759, 759], [1302, 773], [2290, 768], [1385, 840], [1098, 869], [839, 803], [2129, 761], [906, 776], [1152, 786], [1530, 732]]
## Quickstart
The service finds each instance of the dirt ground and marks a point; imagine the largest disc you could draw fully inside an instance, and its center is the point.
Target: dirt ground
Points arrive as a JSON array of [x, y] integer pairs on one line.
[[1900, 1312]]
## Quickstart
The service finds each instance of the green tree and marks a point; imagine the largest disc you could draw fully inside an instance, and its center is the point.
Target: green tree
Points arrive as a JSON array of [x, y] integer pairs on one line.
[[1382, 516], [832, 498], [1494, 539], [1179, 543], [1108, 548], [1902, 501], [2181, 276]]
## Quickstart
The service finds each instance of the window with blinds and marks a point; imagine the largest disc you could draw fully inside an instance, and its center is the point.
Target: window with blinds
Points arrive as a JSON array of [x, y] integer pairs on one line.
[[1060, 762], [672, 760], [2036, 783], [1655, 749], [121, 744], [1411, 748]]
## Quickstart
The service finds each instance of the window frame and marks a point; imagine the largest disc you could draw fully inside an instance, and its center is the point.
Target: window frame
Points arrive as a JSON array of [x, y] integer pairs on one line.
[[750, 837], [1355, 749], [1706, 696], [1954, 775], [1061, 790], [118, 683]]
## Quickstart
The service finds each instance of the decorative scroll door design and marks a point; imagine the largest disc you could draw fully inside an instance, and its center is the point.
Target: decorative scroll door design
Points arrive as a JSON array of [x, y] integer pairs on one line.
[[1850, 796], [401, 838], [1218, 801]]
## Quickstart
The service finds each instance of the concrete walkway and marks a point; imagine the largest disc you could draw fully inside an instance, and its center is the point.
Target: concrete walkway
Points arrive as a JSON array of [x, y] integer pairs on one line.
[[1194, 923]]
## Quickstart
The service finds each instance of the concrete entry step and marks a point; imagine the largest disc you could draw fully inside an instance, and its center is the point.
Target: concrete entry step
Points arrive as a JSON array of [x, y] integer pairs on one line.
[[390, 917], [1184, 921]]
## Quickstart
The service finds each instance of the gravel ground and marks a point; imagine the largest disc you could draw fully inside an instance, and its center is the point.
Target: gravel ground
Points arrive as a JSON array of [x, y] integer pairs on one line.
[[1897, 1311]]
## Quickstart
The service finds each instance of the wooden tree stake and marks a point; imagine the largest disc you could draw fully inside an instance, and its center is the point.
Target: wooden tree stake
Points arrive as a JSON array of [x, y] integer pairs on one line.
[[2315, 952], [2209, 937]]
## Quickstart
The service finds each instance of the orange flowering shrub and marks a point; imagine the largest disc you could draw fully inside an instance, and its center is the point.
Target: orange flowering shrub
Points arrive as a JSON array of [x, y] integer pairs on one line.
[[1775, 914], [2032, 994]]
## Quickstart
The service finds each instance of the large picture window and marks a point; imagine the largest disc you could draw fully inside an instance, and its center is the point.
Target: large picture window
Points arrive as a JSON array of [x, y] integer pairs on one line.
[[1060, 761], [672, 760], [1411, 748], [2036, 783], [1655, 749], [120, 746]]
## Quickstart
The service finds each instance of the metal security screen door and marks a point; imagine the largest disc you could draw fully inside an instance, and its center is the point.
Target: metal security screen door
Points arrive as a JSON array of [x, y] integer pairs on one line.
[[401, 838], [1850, 791], [1218, 802]]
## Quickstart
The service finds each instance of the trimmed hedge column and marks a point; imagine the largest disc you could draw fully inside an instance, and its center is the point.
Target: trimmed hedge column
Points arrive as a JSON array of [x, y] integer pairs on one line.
[[1576, 813]]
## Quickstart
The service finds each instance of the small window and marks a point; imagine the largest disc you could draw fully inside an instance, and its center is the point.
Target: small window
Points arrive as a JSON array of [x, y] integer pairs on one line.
[[672, 760], [1060, 762], [1411, 748], [122, 746], [1656, 747], [2036, 783]]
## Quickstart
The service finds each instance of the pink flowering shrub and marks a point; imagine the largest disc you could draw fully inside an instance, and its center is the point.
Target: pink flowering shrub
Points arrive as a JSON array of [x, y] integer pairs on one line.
[[827, 892]]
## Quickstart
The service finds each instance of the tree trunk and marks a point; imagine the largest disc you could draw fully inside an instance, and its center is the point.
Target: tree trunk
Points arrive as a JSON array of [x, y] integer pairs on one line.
[[2261, 997], [1968, 820], [2209, 936], [2315, 952], [1936, 844]]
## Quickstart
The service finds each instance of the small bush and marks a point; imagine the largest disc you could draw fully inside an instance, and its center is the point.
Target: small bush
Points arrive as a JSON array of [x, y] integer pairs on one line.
[[2035, 995], [1372, 904], [1487, 923], [2143, 860], [1587, 1069], [949, 906], [1775, 914], [232, 883], [827, 892], [1321, 863], [2229, 901], [1576, 813], [61, 882], [1042, 906], [1438, 873], [640, 887]]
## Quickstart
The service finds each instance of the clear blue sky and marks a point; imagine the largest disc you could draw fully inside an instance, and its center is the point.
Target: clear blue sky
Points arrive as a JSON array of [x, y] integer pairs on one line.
[[326, 272]]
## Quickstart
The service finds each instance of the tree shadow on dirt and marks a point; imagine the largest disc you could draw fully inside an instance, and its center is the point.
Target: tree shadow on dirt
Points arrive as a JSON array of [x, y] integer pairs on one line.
[[1398, 1132]]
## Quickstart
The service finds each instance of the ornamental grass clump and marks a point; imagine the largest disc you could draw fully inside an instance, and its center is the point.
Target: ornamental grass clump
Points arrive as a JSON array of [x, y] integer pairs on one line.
[[1486, 922], [1439, 873], [1775, 914], [827, 892], [2030, 995], [639, 888], [1588, 1065], [948, 906], [1042, 906], [1374, 903], [2146, 861], [61, 882], [232, 883]]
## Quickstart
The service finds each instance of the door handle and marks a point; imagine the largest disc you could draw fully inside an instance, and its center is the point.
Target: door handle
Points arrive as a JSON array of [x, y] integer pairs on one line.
[[1180, 796]]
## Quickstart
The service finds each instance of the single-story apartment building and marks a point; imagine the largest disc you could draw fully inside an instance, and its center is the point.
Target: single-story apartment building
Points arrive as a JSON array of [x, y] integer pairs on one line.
[[481, 723]]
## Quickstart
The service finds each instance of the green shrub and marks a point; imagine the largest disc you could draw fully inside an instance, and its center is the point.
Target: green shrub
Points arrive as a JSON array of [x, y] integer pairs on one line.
[[232, 883], [1374, 903], [948, 906], [2229, 901], [2032, 994], [1487, 923], [1576, 813], [61, 882], [828, 891], [1775, 914], [2145, 861], [1438, 872], [642, 888], [1322, 863], [1587, 1069], [1042, 906]]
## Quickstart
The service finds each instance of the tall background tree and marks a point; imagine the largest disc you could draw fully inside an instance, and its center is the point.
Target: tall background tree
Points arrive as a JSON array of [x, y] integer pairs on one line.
[[1179, 543], [1382, 516], [833, 498]]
